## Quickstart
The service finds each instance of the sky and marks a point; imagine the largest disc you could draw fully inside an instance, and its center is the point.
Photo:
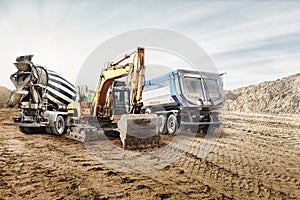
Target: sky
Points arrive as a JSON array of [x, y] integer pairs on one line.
[[252, 41]]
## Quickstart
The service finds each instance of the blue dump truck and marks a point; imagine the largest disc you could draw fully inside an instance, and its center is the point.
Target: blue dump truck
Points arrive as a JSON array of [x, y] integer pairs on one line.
[[185, 99]]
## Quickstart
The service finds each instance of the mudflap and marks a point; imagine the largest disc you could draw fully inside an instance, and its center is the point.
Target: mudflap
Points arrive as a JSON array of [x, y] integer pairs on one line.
[[138, 130]]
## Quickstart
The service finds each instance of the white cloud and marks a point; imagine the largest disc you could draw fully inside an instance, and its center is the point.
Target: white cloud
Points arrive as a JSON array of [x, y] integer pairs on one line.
[[61, 34]]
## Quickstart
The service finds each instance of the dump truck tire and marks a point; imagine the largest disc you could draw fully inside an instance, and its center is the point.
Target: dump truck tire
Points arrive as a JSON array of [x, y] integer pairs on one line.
[[172, 124], [195, 129], [162, 119]]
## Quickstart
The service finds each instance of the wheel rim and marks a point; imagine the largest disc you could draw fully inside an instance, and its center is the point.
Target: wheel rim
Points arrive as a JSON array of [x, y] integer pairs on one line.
[[60, 125], [171, 124], [161, 123]]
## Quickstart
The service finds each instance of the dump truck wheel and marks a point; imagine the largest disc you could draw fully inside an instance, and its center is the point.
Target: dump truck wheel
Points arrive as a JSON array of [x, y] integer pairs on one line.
[[59, 126], [172, 124], [162, 124], [208, 129], [195, 129], [205, 129]]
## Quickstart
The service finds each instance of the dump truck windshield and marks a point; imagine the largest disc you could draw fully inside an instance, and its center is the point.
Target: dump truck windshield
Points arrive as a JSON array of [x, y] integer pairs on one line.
[[213, 89], [193, 89], [194, 86]]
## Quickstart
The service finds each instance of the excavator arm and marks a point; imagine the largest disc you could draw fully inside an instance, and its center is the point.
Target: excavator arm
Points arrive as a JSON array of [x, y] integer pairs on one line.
[[107, 78], [135, 72], [137, 79], [135, 128]]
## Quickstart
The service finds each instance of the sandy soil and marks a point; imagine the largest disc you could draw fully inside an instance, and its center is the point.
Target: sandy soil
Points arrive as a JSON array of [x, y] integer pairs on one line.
[[257, 156]]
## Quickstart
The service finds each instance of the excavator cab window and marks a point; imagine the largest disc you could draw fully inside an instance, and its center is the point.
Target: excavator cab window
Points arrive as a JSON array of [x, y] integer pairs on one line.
[[120, 101]]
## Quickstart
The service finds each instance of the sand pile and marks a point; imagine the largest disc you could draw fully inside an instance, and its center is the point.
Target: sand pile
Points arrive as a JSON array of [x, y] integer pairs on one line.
[[4, 96], [280, 96]]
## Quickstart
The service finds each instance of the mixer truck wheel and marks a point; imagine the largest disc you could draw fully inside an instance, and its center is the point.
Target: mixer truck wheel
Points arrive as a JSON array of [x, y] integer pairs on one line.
[[48, 130], [172, 124], [31, 130], [23, 129], [59, 126], [162, 124]]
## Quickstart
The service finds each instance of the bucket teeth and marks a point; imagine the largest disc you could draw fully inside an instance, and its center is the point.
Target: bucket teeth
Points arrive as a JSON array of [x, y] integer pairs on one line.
[[134, 142]]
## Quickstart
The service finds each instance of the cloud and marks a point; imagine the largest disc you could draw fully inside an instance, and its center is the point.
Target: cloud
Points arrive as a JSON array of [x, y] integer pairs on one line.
[[241, 37]]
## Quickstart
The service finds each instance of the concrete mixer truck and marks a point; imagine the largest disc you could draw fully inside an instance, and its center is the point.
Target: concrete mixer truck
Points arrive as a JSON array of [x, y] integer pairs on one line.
[[42, 97]]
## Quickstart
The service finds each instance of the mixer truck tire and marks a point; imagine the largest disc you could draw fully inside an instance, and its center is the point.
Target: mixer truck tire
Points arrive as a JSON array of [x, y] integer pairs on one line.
[[172, 124], [162, 124], [31, 130], [59, 126], [48, 130], [23, 129]]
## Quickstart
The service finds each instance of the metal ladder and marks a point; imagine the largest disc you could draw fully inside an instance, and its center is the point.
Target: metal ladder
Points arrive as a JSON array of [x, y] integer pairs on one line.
[[44, 99]]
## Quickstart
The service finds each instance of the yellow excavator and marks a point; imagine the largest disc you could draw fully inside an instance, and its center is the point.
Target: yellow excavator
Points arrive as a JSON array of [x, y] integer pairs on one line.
[[116, 106]]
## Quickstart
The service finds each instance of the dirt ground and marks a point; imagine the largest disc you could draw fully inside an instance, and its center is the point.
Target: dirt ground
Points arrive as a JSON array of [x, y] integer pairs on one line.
[[256, 157]]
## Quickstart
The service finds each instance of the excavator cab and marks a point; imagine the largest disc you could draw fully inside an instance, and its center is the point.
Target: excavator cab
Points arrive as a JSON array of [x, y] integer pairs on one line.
[[120, 100]]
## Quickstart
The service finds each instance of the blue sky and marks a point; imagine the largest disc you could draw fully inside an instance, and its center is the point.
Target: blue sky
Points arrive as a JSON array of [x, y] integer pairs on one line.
[[253, 41]]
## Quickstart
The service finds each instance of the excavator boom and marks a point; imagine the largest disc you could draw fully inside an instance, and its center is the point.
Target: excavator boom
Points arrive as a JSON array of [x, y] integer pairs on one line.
[[107, 78], [134, 128]]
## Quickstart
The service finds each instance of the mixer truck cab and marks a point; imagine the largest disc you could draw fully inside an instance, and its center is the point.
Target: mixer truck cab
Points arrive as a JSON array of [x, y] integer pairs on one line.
[[185, 98]]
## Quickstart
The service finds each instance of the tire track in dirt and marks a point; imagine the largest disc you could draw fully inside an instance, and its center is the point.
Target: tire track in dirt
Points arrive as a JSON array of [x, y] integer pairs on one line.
[[260, 164], [259, 169]]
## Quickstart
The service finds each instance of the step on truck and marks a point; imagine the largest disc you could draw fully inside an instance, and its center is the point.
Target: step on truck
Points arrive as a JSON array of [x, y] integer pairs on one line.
[[185, 99]]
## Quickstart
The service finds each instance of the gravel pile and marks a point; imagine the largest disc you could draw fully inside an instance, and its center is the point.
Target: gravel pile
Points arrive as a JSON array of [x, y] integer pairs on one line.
[[4, 96], [277, 97]]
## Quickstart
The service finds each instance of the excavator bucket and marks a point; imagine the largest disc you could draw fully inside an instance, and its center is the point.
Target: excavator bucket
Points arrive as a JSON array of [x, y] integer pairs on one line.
[[139, 129]]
